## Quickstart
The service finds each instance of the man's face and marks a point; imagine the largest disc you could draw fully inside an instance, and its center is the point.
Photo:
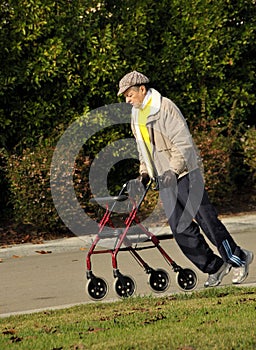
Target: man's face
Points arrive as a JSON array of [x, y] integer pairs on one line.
[[135, 95]]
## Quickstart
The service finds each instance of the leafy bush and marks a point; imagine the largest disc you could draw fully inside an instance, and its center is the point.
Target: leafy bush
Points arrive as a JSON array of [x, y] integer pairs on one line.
[[216, 153], [29, 174], [249, 147], [29, 178], [59, 57], [3, 182], [30, 183]]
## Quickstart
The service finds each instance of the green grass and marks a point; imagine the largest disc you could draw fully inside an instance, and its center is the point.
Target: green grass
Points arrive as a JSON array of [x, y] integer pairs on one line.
[[217, 318]]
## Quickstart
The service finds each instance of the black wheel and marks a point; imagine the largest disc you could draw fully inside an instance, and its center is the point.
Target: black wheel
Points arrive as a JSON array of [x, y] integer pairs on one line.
[[97, 288], [186, 279], [159, 280], [124, 286]]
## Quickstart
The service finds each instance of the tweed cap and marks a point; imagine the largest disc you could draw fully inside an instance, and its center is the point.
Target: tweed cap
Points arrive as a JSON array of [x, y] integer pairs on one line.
[[131, 79]]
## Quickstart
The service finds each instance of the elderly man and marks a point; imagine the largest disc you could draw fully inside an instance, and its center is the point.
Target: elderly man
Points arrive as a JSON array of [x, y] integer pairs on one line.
[[167, 153]]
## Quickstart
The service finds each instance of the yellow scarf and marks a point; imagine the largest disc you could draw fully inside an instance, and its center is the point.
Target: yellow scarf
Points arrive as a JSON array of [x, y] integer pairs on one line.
[[142, 120], [143, 136]]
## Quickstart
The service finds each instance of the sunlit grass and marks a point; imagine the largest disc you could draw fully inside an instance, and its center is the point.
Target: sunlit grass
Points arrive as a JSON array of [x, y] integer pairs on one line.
[[218, 318]]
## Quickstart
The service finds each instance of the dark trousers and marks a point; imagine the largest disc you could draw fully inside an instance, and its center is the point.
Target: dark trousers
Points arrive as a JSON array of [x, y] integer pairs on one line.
[[188, 209]]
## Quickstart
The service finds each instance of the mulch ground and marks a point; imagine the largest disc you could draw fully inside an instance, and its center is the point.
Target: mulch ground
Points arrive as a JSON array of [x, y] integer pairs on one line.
[[11, 234]]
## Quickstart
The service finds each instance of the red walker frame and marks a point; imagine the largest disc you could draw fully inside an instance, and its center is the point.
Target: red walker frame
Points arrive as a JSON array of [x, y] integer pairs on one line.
[[124, 285]]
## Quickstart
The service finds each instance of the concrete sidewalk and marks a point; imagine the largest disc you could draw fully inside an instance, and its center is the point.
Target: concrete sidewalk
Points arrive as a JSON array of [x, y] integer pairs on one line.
[[52, 275]]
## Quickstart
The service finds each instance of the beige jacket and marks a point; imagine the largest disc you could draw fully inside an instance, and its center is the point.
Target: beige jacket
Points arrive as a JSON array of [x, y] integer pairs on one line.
[[172, 144]]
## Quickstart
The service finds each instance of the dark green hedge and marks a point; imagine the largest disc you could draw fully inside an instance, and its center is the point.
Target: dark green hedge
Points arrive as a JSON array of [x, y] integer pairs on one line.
[[62, 58]]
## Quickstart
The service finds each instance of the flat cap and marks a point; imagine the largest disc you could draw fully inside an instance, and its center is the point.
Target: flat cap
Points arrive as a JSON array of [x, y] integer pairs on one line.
[[131, 79]]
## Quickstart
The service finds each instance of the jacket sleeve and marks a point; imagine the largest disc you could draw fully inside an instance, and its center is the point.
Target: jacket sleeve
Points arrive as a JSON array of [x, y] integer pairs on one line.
[[180, 143]]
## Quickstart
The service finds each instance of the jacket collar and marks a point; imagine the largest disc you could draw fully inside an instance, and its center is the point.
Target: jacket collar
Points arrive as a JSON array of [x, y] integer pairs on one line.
[[156, 102], [155, 105]]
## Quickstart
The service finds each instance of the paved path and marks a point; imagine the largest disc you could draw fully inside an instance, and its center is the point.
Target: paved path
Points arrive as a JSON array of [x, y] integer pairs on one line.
[[31, 281]]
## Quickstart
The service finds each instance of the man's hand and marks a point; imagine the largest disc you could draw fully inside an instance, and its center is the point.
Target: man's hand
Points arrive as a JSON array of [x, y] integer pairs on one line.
[[144, 179], [168, 179]]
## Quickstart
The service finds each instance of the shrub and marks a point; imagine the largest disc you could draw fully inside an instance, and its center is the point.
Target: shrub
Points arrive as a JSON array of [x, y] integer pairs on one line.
[[29, 178], [216, 153], [29, 174], [248, 144], [3, 183], [30, 183]]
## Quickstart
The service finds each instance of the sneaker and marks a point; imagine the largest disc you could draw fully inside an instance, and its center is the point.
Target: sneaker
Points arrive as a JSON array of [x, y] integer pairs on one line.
[[216, 278], [240, 273]]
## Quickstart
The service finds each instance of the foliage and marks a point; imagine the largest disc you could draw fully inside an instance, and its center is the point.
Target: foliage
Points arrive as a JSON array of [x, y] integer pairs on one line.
[[200, 320], [248, 143], [215, 153], [29, 174], [206, 63], [3, 179], [51, 66], [29, 177], [221, 152], [61, 58]]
